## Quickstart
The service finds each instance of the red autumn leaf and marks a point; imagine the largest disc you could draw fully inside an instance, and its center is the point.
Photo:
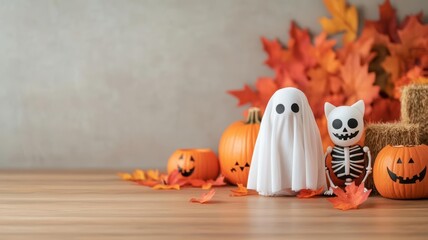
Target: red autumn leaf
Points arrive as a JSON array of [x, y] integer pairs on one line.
[[385, 110], [197, 182], [204, 198], [266, 87], [387, 23], [351, 198], [246, 95], [277, 55], [175, 178], [218, 182], [309, 193], [242, 191]]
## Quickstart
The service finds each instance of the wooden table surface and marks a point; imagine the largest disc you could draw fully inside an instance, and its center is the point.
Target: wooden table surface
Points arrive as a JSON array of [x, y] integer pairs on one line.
[[97, 205]]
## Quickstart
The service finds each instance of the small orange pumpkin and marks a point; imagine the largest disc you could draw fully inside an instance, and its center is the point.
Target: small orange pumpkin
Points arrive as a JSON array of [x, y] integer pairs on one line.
[[236, 148], [195, 163], [399, 172]]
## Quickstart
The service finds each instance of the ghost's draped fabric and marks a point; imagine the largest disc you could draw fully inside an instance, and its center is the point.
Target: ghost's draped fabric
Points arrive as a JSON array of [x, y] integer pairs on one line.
[[288, 153]]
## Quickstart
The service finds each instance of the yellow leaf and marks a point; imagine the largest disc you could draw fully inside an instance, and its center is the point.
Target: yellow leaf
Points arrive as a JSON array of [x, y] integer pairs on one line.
[[125, 176], [344, 19], [153, 174], [166, 187], [207, 186], [138, 175]]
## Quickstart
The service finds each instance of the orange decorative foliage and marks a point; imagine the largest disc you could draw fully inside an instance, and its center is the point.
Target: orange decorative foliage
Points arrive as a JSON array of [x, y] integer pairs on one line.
[[166, 187], [204, 198], [138, 175], [344, 19], [125, 176], [351, 198], [309, 193], [387, 24], [153, 174], [207, 186], [147, 183], [242, 191]]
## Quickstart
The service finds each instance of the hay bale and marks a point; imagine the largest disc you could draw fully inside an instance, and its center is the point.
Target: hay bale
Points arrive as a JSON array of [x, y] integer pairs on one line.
[[381, 134], [414, 108]]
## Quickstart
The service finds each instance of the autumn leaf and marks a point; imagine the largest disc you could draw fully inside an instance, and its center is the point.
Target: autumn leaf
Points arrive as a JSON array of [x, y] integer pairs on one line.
[[147, 183], [138, 175], [242, 191], [246, 95], [384, 110], [204, 198], [387, 23], [309, 193], [153, 174], [166, 187], [207, 186], [344, 19], [125, 176], [219, 181], [358, 83], [351, 198]]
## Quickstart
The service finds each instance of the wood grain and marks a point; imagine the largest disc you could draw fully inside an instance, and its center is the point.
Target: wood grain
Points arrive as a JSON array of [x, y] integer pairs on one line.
[[97, 205]]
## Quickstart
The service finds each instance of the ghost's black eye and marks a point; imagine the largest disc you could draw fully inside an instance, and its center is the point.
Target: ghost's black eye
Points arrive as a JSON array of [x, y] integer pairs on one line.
[[352, 123], [295, 108], [411, 161], [337, 124], [280, 108], [399, 160]]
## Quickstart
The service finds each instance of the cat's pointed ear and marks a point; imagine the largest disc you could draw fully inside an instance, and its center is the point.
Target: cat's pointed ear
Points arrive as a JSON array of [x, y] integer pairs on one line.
[[328, 107], [359, 106]]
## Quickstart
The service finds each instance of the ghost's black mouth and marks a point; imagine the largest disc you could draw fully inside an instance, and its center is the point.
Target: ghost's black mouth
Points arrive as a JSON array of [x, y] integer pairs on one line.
[[412, 180], [185, 173], [346, 136]]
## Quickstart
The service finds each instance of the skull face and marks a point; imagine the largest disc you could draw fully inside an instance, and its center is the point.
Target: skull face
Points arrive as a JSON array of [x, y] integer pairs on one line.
[[345, 123]]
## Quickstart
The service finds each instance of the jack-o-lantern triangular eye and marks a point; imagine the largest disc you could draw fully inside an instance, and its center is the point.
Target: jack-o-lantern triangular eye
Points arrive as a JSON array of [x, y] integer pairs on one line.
[[192, 159], [411, 161], [399, 160], [181, 157], [236, 164], [247, 165]]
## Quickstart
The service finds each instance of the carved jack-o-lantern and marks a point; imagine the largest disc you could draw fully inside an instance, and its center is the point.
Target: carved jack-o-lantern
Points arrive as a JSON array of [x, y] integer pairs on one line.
[[399, 172], [195, 163]]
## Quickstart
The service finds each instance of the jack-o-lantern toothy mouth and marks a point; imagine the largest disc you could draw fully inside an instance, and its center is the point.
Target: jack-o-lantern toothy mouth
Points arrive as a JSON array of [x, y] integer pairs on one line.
[[412, 180], [237, 167], [185, 173], [346, 136]]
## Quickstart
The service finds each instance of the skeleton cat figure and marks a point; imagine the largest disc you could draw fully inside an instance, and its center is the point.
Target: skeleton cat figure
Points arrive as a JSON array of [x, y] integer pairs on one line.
[[345, 127]]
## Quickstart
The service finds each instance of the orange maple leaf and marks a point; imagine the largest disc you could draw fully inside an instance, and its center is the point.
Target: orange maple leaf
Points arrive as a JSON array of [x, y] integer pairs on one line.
[[204, 198], [246, 95], [153, 174], [125, 176], [242, 191], [351, 198], [138, 175], [358, 83], [309, 193], [344, 19]]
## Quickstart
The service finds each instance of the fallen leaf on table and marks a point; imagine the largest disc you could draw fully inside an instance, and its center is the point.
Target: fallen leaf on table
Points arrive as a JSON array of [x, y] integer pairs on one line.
[[218, 182], [138, 175], [351, 198], [309, 193], [205, 197], [197, 182], [207, 186], [344, 19], [153, 174], [242, 191], [148, 183], [175, 178], [166, 187], [125, 176]]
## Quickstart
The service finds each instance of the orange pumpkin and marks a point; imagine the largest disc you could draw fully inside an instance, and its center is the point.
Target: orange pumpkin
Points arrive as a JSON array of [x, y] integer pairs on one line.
[[194, 163], [399, 172], [236, 148]]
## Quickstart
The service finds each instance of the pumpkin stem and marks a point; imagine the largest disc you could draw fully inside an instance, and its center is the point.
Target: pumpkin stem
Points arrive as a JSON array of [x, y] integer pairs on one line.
[[253, 115]]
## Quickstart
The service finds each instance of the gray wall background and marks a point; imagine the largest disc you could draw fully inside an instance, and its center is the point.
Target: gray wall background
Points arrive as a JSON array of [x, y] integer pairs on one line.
[[122, 84]]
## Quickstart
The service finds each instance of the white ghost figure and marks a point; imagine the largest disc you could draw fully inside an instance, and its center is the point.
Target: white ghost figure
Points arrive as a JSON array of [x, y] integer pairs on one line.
[[288, 154]]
